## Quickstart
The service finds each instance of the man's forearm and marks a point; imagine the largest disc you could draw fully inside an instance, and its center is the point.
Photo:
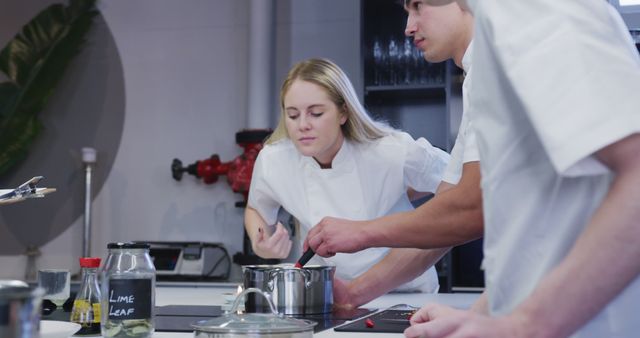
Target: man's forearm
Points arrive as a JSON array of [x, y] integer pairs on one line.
[[398, 267], [452, 217], [481, 305]]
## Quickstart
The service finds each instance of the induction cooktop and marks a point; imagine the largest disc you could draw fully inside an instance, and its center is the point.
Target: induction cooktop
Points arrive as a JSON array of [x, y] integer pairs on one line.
[[181, 317]]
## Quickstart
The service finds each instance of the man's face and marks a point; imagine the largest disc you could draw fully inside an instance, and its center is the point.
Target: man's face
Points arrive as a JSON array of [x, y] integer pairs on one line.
[[435, 26]]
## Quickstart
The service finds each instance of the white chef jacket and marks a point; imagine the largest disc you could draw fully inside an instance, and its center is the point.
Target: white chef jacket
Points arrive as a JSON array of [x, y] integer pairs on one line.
[[366, 181], [560, 80], [465, 149]]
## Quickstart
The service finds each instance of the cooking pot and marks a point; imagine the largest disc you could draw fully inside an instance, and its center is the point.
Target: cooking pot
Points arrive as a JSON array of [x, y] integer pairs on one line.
[[19, 309], [270, 325], [294, 291]]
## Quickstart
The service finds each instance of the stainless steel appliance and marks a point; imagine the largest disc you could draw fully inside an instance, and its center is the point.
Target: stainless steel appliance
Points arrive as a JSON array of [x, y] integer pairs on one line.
[[190, 260]]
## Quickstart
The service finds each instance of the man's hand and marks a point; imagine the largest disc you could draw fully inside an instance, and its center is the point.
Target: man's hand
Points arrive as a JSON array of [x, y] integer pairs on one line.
[[277, 245], [435, 320], [333, 235]]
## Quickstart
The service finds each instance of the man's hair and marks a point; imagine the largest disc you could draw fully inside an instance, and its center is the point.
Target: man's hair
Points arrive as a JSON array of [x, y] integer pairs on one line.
[[432, 2]]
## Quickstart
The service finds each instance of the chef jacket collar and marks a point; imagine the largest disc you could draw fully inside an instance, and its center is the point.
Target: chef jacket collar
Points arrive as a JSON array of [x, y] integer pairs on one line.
[[466, 58], [343, 161]]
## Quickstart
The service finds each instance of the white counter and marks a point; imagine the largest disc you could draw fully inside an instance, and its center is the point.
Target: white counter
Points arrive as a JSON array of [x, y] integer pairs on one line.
[[207, 294]]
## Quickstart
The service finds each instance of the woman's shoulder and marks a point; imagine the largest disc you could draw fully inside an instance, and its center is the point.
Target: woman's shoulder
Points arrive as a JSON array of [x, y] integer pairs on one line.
[[394, 139], [390, 147], [282, 150]]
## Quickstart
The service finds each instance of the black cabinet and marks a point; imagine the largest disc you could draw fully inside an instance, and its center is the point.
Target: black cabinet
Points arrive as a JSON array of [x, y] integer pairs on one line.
[[420, 98], [400, 86]]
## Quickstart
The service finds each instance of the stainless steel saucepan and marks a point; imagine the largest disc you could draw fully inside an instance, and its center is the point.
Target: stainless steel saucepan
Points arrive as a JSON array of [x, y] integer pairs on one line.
[[307, 290]]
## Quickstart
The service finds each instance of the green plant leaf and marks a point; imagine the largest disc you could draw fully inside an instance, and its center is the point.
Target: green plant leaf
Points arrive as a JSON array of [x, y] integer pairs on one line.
[[35, 61]]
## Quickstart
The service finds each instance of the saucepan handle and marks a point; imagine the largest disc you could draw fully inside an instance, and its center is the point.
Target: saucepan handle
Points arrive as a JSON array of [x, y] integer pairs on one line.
[[266, 295], [271, 278]]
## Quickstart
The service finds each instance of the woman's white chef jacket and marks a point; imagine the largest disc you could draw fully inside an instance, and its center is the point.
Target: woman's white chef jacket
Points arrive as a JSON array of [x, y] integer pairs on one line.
[[366, 181], [465, 149], [560, 80]]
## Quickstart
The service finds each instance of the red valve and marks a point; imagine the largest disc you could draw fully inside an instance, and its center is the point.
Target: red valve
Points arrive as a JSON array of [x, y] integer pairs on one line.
[[238, 170]]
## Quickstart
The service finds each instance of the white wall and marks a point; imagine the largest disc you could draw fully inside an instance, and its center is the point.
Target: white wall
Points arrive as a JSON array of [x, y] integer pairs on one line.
[[318, 28], [185, 76]]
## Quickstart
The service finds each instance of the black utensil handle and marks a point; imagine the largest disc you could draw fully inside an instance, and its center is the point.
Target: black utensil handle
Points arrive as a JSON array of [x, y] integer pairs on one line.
[[306, 256]]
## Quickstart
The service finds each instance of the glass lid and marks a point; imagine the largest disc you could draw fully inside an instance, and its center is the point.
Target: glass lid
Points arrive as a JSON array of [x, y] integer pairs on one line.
[[254, 323], [233, 322]]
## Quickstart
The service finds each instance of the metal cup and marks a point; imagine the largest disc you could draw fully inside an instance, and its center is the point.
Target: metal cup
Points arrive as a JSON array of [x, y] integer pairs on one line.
[[19, 309]]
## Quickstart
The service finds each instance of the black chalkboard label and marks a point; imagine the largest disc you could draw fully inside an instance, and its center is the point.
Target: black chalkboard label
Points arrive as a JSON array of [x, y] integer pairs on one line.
[[129, 299]]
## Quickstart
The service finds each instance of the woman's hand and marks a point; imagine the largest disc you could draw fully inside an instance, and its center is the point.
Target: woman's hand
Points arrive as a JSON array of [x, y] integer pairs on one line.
[[278, 245]]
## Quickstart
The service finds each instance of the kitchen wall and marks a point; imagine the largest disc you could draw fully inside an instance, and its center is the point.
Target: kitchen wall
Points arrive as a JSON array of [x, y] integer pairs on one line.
[[183, 69]]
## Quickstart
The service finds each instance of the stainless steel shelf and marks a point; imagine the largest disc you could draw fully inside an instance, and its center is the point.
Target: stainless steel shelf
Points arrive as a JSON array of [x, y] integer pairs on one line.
[[404, 87]]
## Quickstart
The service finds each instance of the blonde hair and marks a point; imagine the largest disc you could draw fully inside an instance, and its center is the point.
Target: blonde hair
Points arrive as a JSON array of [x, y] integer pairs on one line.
[[359, 127]]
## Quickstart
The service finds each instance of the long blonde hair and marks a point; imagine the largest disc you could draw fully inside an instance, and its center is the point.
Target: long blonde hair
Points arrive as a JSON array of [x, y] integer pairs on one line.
[[360, 127]]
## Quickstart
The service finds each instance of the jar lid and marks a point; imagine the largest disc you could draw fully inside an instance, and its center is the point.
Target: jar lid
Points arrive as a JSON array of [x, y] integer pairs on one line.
[[128, 245], [90, 262], [253, 323]]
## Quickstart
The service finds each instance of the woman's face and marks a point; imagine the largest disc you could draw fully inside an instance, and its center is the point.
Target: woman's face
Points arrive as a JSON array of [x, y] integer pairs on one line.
[[313, 121]]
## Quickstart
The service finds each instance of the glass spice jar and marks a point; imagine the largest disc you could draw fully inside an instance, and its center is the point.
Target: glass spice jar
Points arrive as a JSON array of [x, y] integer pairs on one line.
[[128, 291]]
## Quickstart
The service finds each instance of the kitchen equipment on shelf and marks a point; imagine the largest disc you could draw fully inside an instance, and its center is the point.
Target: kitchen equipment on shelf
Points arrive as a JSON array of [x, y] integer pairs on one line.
[[308, 290], [19, 309], [189, 260], [233, 324], [26, 190], [128, 291]]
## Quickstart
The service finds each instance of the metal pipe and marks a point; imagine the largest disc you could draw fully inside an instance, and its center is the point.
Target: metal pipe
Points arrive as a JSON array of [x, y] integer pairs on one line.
[[88, 158], [261, 63]]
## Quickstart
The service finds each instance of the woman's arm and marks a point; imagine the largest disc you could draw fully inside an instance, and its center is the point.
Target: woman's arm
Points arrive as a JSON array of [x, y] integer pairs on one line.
[[264, 243]]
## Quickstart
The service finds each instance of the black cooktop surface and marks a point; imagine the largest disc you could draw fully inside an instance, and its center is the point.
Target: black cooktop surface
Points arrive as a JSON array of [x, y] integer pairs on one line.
[[181, 319], [392, 320], [336, 317]]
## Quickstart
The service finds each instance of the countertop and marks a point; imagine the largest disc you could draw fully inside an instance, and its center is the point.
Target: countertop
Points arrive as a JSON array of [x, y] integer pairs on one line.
[[214, 294]]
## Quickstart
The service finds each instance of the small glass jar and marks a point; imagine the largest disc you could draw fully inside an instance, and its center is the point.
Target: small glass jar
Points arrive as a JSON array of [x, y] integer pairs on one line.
[[128, 291], [86, 306]]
